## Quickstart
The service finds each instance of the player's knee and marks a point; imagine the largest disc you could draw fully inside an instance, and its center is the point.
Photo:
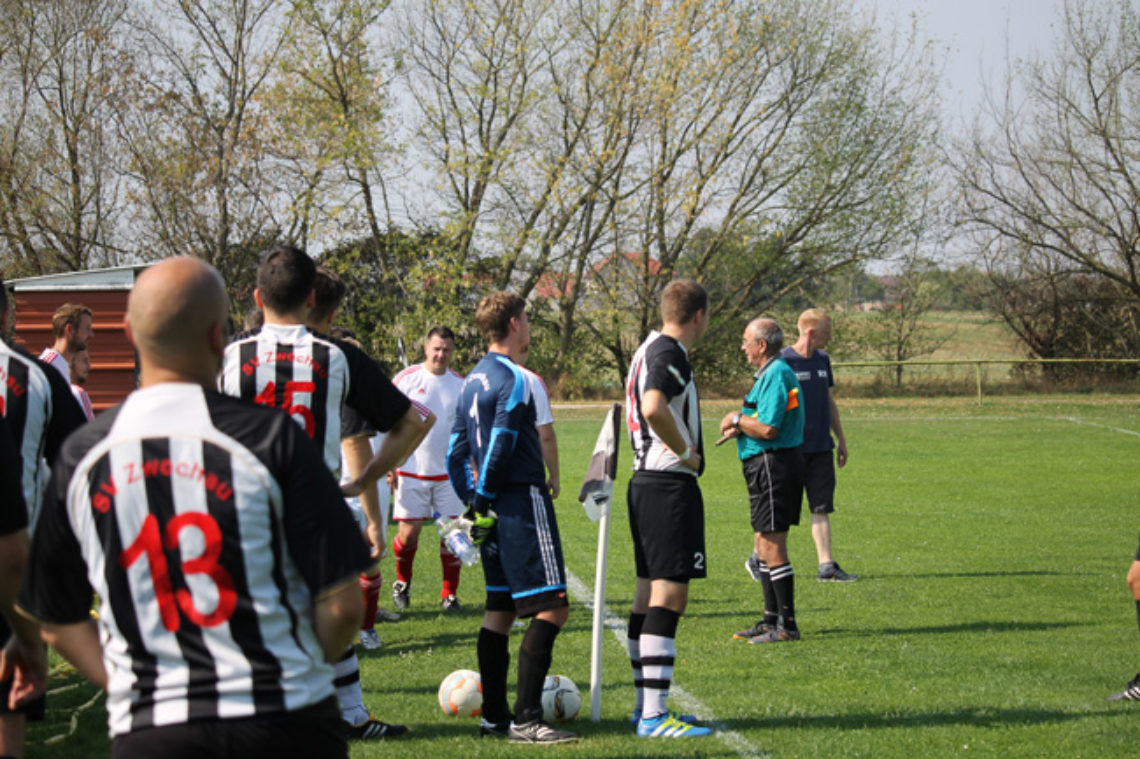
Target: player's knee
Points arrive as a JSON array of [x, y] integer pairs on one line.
[[557, 616]]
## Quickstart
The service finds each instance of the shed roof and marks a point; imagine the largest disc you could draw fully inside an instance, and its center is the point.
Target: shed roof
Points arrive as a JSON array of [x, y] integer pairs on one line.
[[111, 278]]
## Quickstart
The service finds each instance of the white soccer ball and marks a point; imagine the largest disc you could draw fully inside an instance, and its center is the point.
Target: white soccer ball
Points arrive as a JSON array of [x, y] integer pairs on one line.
[[461, 694], [560, 699]]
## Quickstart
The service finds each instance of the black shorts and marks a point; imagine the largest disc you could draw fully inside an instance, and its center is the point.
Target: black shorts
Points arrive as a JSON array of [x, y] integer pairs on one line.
[[33, 711], [819, 481], [667, 521], [1137, 553], [315, 731], [775, 489], [523, 566]]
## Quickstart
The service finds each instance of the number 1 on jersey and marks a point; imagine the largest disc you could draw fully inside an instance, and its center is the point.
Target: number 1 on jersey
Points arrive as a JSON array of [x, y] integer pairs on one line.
[[474, 414]]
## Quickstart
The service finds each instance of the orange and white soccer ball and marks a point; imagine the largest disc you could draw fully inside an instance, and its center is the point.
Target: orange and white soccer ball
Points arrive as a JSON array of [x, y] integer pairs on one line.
[[461, 694], [560, 699]]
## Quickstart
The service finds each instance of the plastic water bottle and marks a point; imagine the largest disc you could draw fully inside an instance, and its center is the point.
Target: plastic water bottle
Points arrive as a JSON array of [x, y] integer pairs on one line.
[[456, 539]]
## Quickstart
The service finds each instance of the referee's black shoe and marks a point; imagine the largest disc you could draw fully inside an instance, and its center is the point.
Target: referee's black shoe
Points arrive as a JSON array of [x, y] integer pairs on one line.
[[373, 729], [759, 628]]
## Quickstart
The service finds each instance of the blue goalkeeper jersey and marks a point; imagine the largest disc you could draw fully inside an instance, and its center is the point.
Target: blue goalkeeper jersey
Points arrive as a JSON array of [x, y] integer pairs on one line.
[[495, 430]]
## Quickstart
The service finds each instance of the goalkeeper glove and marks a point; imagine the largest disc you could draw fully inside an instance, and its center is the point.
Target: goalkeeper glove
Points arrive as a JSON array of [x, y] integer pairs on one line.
[[480, 524]]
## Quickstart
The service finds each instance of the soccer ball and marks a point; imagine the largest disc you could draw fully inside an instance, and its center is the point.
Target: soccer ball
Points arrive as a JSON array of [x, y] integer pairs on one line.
[[560, 699], [461, 694]]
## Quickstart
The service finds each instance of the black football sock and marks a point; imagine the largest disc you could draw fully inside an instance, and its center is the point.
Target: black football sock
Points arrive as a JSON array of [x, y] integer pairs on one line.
[[633, 645], [784, 586], [535, 655], [770, 605], [1138, 611], [494, 661]]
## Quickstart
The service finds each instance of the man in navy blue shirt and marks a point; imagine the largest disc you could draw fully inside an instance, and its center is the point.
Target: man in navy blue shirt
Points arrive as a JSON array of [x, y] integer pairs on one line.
[[495, 463], [821, 418]]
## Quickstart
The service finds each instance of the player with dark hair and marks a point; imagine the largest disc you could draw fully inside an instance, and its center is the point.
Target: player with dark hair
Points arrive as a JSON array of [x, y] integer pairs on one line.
[[420, 484], [512, 519], [328, 293], [666, 510], [290, 364], [71, 326], [1131, 692], [769, 430], [215, 539]]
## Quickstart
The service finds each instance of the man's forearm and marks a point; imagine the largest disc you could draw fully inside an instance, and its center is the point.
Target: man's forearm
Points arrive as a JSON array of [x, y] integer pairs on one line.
[[337, 618], [357, 454], [79, 643], [13, 555]]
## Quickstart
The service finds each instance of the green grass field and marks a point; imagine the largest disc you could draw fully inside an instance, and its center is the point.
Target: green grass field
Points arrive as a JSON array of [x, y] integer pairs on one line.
[[992, 617]]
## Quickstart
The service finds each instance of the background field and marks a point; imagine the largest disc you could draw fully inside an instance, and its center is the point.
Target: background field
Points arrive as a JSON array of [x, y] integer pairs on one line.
[[992, 617]]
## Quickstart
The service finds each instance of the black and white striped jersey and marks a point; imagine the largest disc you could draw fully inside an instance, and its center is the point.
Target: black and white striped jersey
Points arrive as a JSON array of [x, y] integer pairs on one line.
[[41, 412], [662, 363], [207, 527], [13, 513], [311, 376]]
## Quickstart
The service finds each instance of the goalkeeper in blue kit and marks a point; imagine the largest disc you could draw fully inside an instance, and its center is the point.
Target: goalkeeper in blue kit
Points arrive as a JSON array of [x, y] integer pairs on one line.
[[495, 463]]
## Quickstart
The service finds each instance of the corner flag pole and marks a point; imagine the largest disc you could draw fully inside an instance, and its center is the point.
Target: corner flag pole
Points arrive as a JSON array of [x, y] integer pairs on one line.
[[596, 498]]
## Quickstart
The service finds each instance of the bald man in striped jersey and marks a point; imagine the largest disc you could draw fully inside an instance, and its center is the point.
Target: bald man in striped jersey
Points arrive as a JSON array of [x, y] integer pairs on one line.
[[217, 542]]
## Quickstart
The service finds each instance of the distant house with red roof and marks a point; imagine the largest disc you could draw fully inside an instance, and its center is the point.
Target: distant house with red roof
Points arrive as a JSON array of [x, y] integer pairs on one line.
[[557, 285]]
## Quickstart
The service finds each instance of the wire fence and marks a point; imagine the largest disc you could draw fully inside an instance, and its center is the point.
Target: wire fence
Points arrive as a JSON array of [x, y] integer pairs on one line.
[[955, 376]]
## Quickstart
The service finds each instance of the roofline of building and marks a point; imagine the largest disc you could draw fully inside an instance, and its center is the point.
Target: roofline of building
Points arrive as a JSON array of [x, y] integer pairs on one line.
[[110, 278]]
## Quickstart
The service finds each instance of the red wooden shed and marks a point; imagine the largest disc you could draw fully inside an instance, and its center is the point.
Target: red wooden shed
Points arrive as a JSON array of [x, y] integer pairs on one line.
[[104, 291]]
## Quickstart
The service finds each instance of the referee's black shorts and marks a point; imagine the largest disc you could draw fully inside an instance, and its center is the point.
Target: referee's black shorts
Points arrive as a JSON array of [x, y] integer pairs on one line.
[[315, 731], [819, 481], [775, 489], [667, 522]]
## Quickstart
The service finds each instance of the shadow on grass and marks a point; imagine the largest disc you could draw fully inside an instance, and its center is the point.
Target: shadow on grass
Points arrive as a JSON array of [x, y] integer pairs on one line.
[[953, 575], [994, 626], [959, 717]]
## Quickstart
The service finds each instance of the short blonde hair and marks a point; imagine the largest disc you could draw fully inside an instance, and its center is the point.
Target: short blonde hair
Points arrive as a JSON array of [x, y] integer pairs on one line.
[[811, 319]]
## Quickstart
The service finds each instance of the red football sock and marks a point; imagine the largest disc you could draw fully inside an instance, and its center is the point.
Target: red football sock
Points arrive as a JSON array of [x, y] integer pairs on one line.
[[405, 557], [451, 566], [370, 586]]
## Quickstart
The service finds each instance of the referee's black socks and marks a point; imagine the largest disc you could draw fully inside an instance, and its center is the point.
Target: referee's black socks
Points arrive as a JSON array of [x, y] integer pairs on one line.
[[784, 585], [535, 655]]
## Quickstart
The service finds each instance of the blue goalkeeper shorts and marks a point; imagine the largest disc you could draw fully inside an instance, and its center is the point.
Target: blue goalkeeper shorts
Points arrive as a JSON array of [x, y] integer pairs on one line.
[[522, 558]]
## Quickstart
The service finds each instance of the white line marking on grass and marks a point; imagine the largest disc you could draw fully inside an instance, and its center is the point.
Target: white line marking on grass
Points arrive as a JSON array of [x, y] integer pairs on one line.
[[1075, 420], [687, 701]]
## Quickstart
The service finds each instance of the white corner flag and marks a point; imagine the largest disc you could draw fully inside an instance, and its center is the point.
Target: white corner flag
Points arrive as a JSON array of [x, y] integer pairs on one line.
[[596, 496]]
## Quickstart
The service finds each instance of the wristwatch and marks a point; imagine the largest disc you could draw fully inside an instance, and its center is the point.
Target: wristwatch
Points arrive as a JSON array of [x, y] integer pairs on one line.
[[736, 420]]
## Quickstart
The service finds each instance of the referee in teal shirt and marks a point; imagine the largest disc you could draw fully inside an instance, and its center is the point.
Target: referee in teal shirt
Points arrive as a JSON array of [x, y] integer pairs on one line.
[[769, 429]]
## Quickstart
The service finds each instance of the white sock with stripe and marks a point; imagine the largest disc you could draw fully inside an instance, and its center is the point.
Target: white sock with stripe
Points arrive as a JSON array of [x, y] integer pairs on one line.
[[349, 694]]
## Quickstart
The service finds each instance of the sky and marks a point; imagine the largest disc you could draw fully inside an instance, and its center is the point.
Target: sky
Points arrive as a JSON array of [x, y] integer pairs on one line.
[[973, 35]]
